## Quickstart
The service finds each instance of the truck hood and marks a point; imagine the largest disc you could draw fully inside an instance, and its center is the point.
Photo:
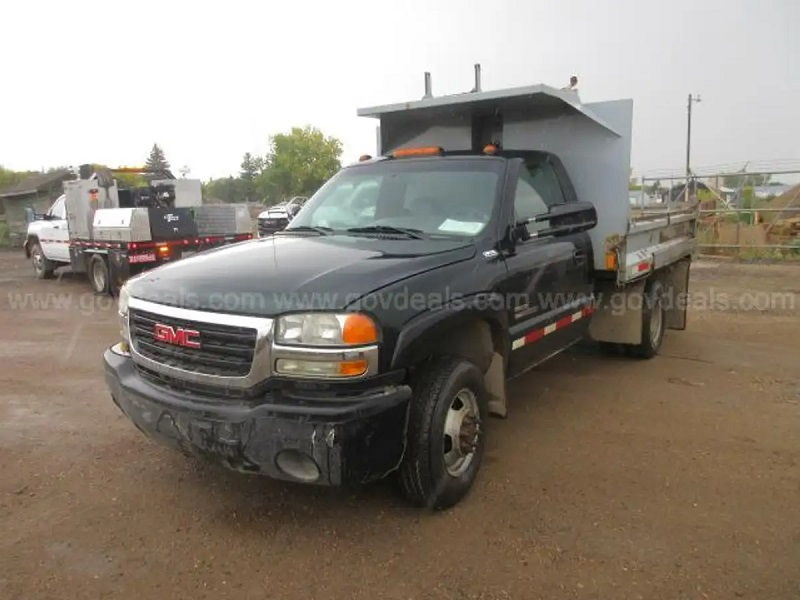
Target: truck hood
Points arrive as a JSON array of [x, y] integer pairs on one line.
[[288, 273]]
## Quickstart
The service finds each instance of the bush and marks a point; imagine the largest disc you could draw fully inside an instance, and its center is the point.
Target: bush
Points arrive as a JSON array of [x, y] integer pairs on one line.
[[5, 237]]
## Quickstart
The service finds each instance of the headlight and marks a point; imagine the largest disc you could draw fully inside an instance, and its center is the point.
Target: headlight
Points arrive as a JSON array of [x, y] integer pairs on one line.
[[122, 309], [326, 329]]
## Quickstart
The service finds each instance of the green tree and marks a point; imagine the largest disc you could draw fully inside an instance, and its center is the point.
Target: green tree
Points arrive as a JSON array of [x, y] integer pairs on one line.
[[298, 163], [226, 189], [157, 161], [251, 167]]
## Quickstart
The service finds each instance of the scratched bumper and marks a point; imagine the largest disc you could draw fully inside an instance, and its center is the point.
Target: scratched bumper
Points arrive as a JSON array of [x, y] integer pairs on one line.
[[352, 439]]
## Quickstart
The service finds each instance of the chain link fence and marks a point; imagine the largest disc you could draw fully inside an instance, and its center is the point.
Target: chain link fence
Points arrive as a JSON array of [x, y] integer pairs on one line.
[[747, 214]]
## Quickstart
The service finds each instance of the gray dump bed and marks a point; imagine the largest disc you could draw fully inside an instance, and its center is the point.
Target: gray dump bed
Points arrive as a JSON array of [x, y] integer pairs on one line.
[[593, 140]]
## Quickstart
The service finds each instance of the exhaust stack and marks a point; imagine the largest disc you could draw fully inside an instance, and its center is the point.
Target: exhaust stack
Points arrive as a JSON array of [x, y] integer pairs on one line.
[[477, 87], [428, 93]]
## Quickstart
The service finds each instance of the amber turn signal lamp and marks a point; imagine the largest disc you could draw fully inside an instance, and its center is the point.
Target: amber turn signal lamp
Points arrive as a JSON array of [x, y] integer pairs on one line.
[[359, 329], [352, 368]]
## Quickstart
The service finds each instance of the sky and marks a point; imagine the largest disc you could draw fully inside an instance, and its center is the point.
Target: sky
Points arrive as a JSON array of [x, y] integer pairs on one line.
[[208, 81]]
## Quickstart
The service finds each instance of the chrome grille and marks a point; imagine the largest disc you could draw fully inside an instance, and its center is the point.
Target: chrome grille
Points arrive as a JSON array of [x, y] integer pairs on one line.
[[224, 350]]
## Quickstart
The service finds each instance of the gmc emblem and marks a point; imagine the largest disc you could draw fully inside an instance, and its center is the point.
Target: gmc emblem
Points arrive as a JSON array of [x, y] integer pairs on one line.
[[177, 336]]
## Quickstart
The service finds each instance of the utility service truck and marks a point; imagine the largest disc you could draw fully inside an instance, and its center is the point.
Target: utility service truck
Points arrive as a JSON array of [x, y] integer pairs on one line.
[[376, 333], [111, 231]]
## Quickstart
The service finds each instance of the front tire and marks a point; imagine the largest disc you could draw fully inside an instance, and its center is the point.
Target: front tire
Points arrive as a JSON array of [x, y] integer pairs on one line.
[[42, 266], [446, 431]]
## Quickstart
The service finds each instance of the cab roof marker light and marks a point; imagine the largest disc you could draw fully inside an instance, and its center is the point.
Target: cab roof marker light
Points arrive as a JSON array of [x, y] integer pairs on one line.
[[421, 151]]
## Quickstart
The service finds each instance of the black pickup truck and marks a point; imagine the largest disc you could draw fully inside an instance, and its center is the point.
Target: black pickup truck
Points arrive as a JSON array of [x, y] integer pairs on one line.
[[375, 334]]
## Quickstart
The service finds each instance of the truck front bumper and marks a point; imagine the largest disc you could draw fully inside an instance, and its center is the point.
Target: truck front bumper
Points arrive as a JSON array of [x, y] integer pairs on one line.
[[347, 440]]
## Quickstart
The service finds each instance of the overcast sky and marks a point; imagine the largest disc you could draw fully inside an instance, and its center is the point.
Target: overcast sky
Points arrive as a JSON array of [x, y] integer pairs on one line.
[[208, 81]]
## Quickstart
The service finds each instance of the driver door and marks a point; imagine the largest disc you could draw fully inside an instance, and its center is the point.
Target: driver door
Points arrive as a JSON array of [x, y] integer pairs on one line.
[[548, 276], [54, 235]]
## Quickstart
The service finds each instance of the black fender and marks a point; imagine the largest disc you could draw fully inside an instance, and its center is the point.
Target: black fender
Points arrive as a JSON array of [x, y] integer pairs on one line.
[[427, 330]]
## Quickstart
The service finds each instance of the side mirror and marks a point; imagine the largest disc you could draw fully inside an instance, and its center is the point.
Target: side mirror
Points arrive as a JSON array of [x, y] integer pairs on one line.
[[576, 216], [570, 217], [292, 210]]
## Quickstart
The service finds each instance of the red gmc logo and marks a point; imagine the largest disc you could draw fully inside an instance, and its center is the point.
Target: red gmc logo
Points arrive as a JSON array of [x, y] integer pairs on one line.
[[177, 336]]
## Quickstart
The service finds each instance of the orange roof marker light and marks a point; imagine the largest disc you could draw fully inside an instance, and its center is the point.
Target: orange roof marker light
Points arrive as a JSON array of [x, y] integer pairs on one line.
[[422, 151], [491, 149]]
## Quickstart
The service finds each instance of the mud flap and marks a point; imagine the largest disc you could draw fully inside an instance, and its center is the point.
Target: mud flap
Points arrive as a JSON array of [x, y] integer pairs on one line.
[[494, 380], [676, 296], [618, 317]]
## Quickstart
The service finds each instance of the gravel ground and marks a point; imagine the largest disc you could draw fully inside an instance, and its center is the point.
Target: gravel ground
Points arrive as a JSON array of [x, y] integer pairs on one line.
[[676, 477]]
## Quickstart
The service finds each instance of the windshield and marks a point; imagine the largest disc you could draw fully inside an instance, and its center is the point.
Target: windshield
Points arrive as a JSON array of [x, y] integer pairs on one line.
[[442, 196]]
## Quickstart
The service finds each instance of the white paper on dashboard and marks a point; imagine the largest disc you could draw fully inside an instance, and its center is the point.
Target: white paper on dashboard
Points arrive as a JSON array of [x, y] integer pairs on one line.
[[453, 226]]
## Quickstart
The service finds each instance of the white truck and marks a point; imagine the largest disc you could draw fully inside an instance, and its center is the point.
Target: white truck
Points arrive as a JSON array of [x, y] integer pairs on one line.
[[111, 232], [277, 217]]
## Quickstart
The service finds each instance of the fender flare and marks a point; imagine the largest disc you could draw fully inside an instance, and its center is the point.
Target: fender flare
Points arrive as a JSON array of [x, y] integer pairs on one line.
[[426, 329], [29, 237]]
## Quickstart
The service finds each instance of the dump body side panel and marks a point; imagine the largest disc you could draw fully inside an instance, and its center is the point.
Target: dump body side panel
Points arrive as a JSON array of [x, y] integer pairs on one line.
[[597, 160]]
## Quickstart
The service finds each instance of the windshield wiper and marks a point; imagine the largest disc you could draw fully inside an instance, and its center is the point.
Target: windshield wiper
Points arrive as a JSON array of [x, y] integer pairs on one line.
[[416, 234], [320, 230]]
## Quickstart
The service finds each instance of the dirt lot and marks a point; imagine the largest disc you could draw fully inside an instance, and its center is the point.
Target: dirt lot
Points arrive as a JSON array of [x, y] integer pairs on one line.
[[613, 478]]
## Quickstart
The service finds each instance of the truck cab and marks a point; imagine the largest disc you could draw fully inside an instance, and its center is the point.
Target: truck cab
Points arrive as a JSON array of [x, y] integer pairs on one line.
[[376, 332], [47, 240]]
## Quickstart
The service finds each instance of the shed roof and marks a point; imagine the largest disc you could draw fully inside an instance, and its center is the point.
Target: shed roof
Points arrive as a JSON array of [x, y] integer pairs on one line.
[[35, 183]]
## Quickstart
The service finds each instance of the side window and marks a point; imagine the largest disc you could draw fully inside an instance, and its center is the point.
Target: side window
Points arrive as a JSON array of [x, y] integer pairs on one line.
[[537, 190], [545, 180], [59, 210], [528, 202]]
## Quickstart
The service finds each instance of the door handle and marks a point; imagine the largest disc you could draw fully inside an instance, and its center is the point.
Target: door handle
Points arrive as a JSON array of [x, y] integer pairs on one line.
[[579, 256]]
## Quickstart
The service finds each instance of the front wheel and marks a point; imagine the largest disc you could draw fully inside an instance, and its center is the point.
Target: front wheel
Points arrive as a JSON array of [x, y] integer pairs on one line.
[[446, 432], [42, 266]]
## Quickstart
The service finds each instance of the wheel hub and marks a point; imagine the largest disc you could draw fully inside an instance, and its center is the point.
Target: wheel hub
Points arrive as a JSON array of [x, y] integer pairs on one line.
[[462, 429]]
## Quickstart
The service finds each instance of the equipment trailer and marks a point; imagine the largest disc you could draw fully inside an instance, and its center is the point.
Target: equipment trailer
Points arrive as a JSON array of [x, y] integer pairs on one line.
[[376, 332], [112, 232]]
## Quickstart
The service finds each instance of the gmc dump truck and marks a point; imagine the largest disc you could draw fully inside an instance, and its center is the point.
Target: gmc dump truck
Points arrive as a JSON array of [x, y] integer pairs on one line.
[[110, 231], [375, 334]]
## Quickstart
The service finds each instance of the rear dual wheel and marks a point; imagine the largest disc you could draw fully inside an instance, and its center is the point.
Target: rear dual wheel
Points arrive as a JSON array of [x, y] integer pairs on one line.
[[98, 274], [446, 431], [653, 320], [653, 325]]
